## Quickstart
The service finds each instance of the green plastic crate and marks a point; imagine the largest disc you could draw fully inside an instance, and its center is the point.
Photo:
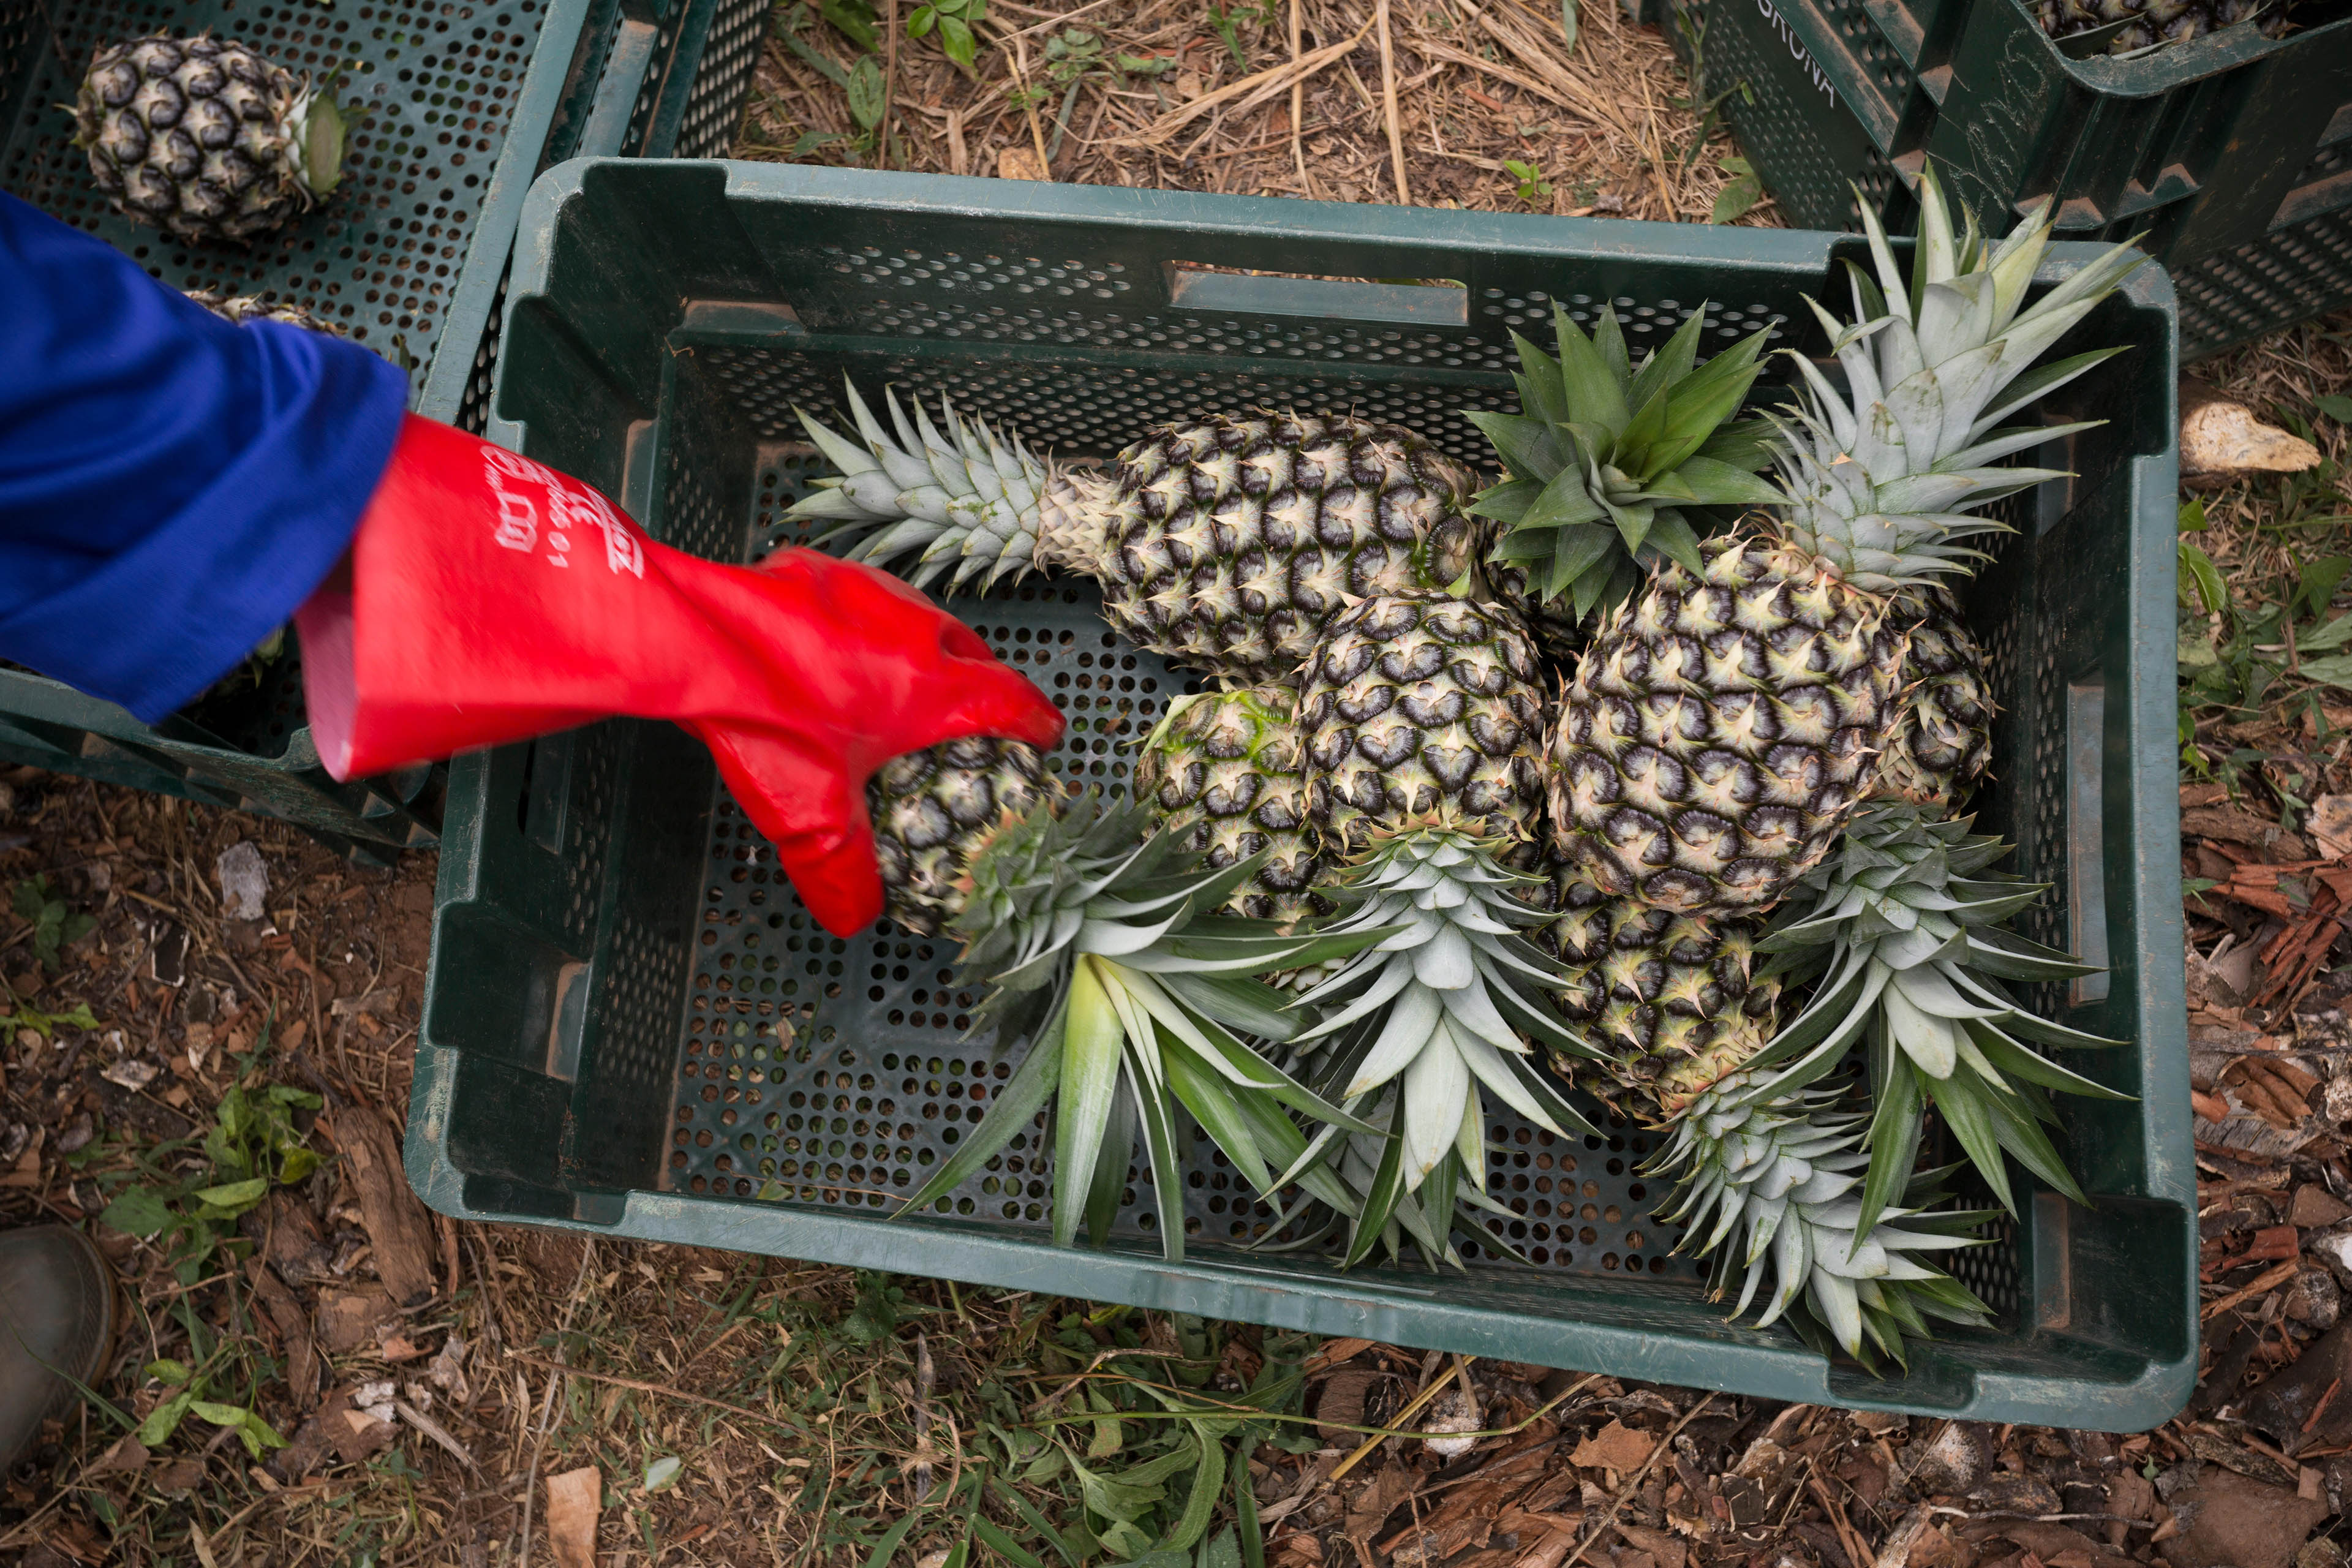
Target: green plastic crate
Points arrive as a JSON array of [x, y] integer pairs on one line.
[[2232, 154], [464, 104], [632, 1026]]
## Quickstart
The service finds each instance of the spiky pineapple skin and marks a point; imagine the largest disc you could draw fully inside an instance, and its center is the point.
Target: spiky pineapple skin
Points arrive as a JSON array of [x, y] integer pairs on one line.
[[2154, 21], [1229, 541], [1721, 729], [243, 308], [1941, 743], [934, 809], [1227, 774], [190, 135], [1653, 988], [1416, 704]]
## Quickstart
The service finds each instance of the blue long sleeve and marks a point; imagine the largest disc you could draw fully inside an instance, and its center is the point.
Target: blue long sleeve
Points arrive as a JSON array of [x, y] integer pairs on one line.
[[171, 487]]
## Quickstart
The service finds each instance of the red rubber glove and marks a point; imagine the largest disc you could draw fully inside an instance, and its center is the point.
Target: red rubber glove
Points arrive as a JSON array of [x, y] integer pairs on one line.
[[492, 599]]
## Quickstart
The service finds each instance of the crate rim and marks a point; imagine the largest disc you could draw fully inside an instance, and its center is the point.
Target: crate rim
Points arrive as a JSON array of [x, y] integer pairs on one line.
[[1765, 1366]]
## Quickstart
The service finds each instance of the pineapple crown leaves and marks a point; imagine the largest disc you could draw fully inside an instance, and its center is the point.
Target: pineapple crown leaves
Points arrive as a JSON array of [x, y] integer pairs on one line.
[[1881, 477], [1604, 457], [1134, 1003], [1374, 1211], [1909, 933], [1444, 1000], [318, 126], [1775, 1175], [966, 505]]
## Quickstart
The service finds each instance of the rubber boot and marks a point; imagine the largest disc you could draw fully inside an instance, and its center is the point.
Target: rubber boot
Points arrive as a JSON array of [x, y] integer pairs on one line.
[[59, 1313]]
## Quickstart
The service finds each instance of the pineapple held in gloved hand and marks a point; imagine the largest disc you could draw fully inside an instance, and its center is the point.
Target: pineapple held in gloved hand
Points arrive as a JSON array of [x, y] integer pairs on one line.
[[492, 598]]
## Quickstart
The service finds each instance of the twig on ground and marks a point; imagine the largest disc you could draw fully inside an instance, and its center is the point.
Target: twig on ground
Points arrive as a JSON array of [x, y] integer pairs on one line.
[[1389, 102], [1298, 100]]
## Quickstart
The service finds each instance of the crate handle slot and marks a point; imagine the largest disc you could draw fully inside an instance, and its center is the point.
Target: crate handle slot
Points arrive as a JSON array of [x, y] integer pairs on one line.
[[2086, 863], [617, 93], [567, 1022], [1195, 288]]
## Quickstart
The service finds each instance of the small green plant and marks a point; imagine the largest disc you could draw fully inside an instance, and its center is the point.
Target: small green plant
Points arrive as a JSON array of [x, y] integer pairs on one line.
[[1070, 54], [1226, 23], [1533, 187], [54, 926], [1736, 200], [854, 20], [19, 1014], [190, 1384], [253, 1144], [861, 83], [2238, 657], [954, 21]]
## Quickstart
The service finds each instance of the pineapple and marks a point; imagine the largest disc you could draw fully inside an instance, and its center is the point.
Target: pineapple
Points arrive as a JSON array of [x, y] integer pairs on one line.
[[1422, 726], [1226, 773], [1651, 987], [1604, 458], [2143, 24], [1419, 702], [1942, 740], [1095, 935], [930, 807], [243, 308], [1764, 1165], [205, 139], [1221, 543], [1727, 721]]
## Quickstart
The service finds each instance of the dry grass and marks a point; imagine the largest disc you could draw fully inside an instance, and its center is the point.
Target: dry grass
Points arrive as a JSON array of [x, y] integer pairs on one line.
[[1304, 101]]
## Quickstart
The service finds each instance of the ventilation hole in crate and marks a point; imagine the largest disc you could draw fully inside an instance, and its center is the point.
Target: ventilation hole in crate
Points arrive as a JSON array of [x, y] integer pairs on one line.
[[1077, 413], [1991, 1271]]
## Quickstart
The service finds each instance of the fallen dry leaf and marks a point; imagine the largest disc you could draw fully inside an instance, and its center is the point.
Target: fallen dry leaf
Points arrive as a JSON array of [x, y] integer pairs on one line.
[[1615, 1447], [293, 1331], [349, 1319], [130, 1454], [573, 1499], [2242, 1523], [1341, 1405], [2330, 823], [1020, 163], [1331, 1353], [394, 1219]]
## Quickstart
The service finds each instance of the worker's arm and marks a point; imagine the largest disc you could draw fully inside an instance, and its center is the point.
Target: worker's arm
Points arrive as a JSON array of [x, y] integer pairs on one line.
[[173, 488]]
